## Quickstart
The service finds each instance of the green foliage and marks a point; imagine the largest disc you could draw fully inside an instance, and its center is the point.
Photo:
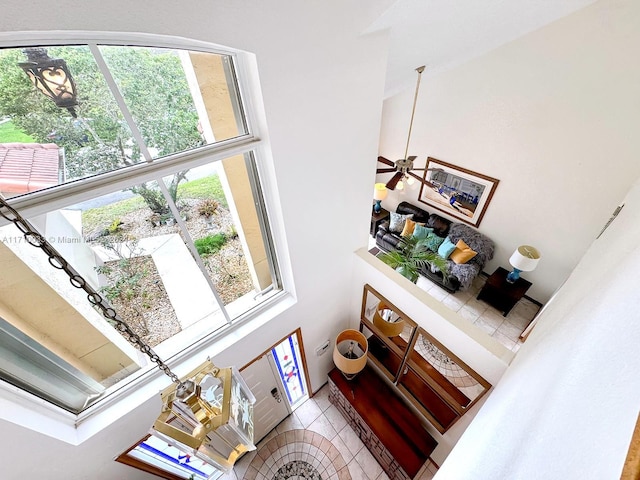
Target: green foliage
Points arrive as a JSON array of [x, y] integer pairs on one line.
[[100, 216], [154, 87], [208, 207], [10, 134], [207, 187], [124, 279], [410, 256], [210, 244]]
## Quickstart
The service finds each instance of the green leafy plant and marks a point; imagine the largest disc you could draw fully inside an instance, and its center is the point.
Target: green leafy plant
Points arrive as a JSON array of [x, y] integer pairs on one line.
[[210, 244], [410, 256], [208, 207]]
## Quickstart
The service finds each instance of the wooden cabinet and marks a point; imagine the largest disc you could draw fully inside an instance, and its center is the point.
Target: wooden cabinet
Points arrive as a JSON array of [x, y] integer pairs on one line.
[[386, 425], [440, 385]]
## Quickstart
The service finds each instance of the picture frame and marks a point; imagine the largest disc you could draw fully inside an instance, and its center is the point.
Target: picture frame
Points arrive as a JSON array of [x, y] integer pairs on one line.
[[456, 191]]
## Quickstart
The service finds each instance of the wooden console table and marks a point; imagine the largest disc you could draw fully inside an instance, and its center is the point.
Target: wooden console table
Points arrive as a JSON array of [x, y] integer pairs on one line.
[[390, 430]]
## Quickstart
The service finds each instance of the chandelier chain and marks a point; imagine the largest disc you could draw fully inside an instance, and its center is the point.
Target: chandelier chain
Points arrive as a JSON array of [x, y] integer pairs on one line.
[[34, 238]]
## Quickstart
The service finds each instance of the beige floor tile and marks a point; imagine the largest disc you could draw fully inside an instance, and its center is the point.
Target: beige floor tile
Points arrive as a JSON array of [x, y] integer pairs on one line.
[[321, 397], [323, 426], [485, 326], [356, 471], [289, 423], [517, 320], [308, 412], [502, 338], [438, 293], [368, 463], [335, 417], [383, 476], [510, 331], [337, 441], [453, 303], [351, 440], [476, 306], [468, 315]]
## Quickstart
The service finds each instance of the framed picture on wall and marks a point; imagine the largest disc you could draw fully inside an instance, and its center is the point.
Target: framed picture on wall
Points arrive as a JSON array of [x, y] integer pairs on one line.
[[456, 191]]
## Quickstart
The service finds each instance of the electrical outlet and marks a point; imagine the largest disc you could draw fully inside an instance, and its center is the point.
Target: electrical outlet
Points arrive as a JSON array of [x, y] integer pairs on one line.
[[322, 348]]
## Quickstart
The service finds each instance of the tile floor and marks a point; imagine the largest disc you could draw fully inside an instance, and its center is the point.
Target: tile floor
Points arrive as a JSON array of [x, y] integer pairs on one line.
[[315, 440], [506, 330]]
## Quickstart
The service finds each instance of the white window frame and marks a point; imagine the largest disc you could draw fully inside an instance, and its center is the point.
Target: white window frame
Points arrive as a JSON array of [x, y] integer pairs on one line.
[[30, 411]]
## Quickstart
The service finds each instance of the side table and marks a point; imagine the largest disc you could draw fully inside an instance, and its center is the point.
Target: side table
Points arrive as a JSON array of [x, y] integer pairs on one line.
[[377, 219], [501, 294]]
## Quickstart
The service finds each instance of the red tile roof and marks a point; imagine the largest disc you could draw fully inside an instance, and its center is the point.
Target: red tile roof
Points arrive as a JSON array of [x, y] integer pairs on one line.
[[27, 167]]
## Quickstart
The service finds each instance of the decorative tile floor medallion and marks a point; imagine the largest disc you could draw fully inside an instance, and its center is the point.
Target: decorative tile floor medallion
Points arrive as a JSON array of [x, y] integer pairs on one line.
[[298, 455]]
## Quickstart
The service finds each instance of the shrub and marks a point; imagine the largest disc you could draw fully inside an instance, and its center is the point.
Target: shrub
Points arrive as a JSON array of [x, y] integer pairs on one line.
[[210, 244], [208, 207]]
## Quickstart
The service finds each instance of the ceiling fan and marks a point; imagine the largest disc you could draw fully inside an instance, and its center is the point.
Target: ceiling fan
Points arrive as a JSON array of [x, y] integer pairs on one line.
[[403, 168]]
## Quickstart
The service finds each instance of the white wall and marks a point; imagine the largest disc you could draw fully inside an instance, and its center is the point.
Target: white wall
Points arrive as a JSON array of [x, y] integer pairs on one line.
[[322, 86], [568, 404], [552, 115]]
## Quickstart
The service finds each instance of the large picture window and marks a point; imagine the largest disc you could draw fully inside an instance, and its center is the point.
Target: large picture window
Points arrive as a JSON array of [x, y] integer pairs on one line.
[[138, 164]]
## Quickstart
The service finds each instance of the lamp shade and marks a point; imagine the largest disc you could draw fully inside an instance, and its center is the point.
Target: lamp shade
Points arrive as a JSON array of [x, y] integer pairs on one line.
[[380, 191], [350, 352], [525, 258], [388, 321]]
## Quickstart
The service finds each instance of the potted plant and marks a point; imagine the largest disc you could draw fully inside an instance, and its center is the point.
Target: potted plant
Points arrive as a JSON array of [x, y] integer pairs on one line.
[[410, 256], [208, 208]]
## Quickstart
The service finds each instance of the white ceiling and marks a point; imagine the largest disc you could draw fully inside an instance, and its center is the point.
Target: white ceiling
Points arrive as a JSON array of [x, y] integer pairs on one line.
[[444, 33]]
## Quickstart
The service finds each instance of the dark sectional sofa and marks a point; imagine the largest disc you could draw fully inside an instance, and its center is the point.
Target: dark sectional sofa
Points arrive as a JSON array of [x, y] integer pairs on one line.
[[460, 276]]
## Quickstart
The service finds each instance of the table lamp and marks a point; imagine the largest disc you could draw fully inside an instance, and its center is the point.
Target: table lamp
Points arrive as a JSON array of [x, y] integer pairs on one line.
[[350, 352], [379, 194], [524, 259]]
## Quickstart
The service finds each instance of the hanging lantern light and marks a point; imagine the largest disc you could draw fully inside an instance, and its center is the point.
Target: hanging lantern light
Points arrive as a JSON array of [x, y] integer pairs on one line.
[[209, 416], [52, 77]]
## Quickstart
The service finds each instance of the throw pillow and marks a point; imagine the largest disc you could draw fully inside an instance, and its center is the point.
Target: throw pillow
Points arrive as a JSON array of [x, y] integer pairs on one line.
[[446, 248], [462, 253], [409, 226], [421, 232], [396, 223], [433, 241]]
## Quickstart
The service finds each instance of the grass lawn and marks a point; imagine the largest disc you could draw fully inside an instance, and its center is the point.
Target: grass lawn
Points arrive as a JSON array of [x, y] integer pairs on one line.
[[201, 188], [10, 134], [207, 187]]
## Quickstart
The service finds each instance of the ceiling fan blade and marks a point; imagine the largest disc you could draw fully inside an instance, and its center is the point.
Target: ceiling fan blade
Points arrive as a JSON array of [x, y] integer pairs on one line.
[[411, 158], [391, 184], [386, 161], [385, 170], [422, 180]]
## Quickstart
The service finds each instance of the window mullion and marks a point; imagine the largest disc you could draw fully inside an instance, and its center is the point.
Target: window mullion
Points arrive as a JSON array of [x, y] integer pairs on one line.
[[113, 86], [191, 246]]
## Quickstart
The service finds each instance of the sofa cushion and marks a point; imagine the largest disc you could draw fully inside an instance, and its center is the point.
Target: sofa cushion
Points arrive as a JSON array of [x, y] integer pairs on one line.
[[419, 215], [396, 223], [446, 247], [421, 232], [478, 242], [439, 224], [462, 253], [409, 226], [433, 241]]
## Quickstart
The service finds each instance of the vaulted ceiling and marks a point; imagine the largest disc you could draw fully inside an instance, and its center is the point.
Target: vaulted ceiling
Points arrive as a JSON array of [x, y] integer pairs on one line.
[[444, 33]]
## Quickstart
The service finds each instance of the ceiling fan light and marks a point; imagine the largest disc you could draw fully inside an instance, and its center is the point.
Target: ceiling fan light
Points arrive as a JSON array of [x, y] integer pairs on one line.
[[400, 185], [410, 181]]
